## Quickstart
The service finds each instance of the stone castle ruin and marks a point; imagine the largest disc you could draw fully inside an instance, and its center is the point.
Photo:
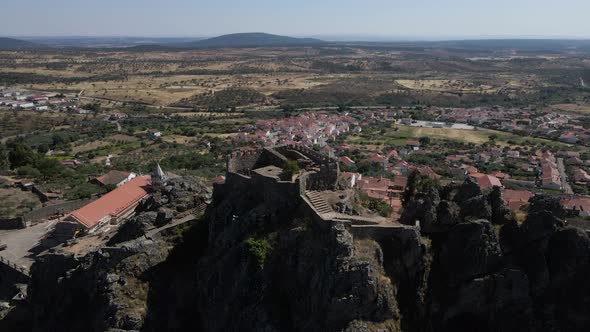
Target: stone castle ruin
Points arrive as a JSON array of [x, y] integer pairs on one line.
[[264, 171], [318, 171]]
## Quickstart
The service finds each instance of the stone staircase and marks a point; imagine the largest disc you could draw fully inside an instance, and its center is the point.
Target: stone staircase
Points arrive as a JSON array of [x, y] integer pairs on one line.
[[318, 202], [200, 208]]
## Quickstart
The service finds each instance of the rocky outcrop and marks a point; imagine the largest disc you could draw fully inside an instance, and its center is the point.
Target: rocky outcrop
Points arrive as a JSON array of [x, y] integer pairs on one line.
[[437, 210], [312, 277], [100, 291], [258, 261]]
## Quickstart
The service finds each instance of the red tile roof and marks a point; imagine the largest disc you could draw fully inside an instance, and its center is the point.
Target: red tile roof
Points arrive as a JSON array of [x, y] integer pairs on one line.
[[346, 161], [486, 181], [113, 204], [516, 199], [113, 177]]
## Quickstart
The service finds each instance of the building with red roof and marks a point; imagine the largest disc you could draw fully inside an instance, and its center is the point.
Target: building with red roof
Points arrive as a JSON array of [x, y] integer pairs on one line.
[[516, 199], [486, 181], [346, 161], [113, 207], [579, 205], [427, 171]]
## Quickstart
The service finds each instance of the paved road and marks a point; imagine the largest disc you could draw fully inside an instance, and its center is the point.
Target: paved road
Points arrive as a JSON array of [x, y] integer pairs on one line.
[[566, 186]]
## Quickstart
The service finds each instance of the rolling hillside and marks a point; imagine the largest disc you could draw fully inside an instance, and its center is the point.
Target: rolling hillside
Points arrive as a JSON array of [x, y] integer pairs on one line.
[[252, 39], [17, 44]]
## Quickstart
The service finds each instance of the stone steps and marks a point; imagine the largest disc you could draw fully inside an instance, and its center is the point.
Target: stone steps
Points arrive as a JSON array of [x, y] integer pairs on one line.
[[200, 208], [318, 202]]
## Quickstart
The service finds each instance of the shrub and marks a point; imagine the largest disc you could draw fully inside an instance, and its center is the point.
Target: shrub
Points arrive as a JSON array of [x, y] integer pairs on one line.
[[258, 249], [291, 168]]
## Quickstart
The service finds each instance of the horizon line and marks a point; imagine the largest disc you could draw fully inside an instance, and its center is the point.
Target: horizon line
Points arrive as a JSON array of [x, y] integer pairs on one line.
[[337, 37]]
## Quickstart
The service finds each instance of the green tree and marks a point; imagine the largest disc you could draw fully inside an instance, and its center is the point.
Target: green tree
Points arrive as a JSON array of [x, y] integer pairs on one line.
[[21, 155], [411, 186], [258, 249], [4, 164], [292, 168], [425, 140]]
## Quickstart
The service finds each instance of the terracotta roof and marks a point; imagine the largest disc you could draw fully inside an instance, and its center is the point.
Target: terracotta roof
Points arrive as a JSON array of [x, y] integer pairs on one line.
[[113, 177], [516, 199], [114, 203], [486, 181], [377, 158], [577, 203], [346, 161], [427, 171]]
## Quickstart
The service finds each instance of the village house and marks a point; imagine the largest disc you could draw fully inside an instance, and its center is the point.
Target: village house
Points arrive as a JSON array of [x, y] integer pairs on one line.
[[346, 161], [482, 157], [154, 134], [469, 169], [486, 181], [516, 199], [576, 205], [513, 154], [428, 172], [574, 161], [569, 137], [500, 175], [581, 176], [413, 144], [378, 159], [114, 178]]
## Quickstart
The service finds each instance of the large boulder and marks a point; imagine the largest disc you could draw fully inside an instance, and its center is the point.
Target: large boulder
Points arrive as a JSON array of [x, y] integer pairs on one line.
[[476, 207], [471, 250], [500, 211]]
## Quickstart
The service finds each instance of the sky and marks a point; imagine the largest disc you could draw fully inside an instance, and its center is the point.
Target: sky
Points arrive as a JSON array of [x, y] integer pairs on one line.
[[336, 19]]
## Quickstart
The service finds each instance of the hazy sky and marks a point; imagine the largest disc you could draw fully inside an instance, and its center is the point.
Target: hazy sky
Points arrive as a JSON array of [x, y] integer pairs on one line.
[[387, 18]]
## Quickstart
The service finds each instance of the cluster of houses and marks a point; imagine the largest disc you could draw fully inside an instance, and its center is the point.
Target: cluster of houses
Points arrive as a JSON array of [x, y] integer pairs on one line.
[[23, 99], [541, 166], [311, 128]]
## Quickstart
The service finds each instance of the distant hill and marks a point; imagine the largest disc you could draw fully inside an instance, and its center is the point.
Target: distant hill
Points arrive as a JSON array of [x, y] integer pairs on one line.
[[17, 44], [251, 39]]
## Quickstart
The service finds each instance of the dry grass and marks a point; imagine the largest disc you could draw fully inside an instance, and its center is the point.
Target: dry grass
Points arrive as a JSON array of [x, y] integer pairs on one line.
[[461, 135], [122, 138], [446, 85], [89, 146], [14, 202], [572, 108]]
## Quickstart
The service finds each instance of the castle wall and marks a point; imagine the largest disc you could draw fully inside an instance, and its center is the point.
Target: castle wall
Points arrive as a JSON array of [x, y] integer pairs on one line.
[[272, 189], [243, 160], [270, 157]]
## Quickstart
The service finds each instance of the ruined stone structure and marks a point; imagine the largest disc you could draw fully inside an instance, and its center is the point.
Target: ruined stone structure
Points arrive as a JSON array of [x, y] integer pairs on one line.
[[261, 171], [319, 172]]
